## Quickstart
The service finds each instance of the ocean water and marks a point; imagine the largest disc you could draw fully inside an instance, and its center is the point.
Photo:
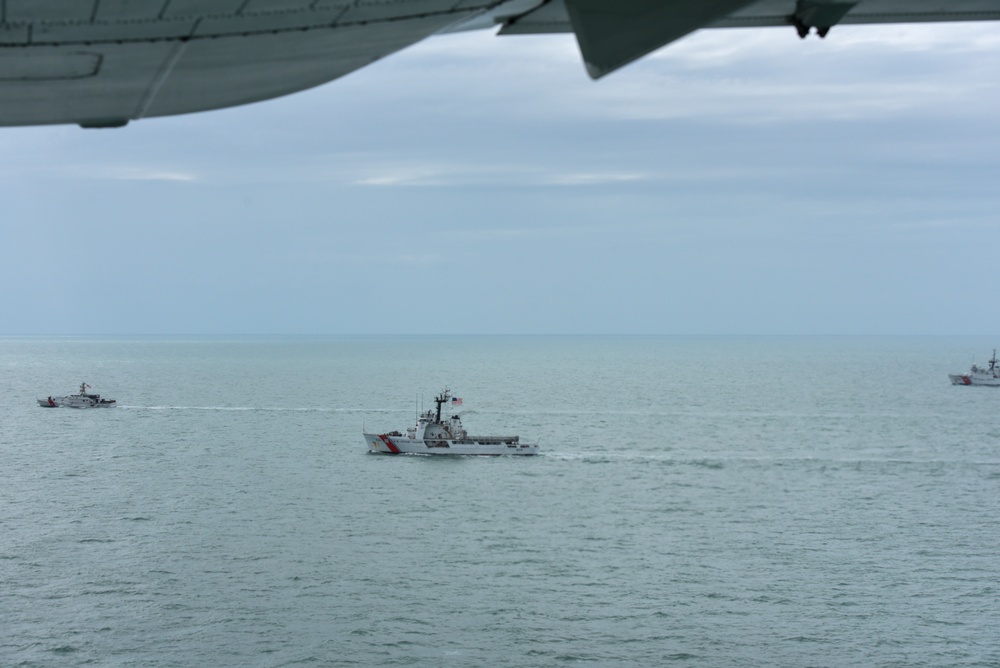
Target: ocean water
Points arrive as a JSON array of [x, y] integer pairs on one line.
[[699, 501]]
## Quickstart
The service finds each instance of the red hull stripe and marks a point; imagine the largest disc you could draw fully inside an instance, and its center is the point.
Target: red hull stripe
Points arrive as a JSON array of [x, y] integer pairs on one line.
[[389, 444]]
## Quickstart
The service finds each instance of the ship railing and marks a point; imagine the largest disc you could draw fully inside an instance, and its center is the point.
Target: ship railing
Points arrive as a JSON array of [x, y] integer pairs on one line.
[[491, 439]]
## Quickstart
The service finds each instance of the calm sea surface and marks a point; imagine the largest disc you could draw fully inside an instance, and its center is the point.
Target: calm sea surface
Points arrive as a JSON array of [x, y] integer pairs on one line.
[[699, 501]]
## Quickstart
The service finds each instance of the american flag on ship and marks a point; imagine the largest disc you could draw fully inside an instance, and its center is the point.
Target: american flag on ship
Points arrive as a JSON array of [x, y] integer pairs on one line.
[[456, 401]]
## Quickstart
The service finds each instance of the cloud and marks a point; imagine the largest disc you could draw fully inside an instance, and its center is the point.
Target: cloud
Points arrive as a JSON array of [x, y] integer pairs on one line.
[[406, 176], [473, 174], [510, 176], [865, 73], [591, 179], [131, 173], [147, 175], [739, 76]]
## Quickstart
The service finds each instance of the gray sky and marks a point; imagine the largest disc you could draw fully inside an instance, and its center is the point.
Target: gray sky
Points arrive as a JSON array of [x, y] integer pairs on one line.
[[737, 182]]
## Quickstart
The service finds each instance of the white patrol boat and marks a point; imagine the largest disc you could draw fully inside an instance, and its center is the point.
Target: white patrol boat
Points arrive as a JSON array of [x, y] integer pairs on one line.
[[979, 376], [81, 400], [434, 436]]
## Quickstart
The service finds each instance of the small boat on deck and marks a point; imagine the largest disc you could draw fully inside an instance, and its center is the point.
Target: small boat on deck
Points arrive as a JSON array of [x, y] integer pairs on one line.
[[432, 435], [80, 400], [978, 375]]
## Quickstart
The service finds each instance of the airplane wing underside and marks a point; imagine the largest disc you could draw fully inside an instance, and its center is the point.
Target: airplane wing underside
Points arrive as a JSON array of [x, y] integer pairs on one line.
[[102, 63]]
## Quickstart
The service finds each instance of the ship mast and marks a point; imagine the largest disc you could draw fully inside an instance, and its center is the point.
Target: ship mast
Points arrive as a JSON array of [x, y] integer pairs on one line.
[[440, 399]]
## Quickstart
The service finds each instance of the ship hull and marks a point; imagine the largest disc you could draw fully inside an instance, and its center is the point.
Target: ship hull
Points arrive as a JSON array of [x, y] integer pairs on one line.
[[974, 379], [76, 401], [396, 445]]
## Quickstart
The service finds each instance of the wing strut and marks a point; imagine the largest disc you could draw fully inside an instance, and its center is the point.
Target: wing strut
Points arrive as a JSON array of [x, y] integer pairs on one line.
[[613, 34]]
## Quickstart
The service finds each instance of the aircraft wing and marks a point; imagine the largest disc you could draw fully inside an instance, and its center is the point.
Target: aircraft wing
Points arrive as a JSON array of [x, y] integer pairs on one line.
[[102, 63], [612, 34]]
